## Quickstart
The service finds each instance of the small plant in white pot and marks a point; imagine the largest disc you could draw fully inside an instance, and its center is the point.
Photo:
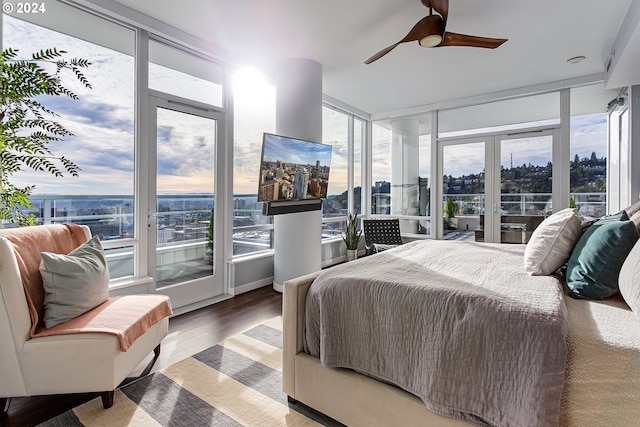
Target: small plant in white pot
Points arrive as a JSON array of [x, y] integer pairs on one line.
[[352, 237]]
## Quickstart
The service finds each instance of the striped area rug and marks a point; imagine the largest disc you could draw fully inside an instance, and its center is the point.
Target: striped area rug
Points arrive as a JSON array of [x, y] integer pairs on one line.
[[237, 382]]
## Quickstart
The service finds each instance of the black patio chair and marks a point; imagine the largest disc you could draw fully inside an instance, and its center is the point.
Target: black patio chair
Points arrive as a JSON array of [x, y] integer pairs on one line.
[[381, 234]]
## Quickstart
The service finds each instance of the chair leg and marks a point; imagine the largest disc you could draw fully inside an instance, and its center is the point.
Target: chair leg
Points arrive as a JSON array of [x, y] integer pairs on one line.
[[107, 399], [4, 404], [147, 369]]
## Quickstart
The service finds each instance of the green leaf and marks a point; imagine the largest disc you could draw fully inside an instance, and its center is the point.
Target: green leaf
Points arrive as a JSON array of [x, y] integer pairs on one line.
[[26, 126]]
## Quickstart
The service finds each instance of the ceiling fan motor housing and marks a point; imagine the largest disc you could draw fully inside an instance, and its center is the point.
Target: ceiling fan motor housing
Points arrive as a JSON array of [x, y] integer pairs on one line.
[[432, 31]]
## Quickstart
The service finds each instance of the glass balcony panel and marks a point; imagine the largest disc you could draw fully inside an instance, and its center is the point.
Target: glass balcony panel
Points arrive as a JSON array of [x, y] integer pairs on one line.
[[120, 262]]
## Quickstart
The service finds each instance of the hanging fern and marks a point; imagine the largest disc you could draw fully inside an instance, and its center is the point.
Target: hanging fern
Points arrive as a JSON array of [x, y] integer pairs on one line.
[[27, 127]]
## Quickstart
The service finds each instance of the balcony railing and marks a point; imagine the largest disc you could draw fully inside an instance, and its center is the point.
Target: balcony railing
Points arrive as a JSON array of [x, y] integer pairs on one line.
[[185, 219], [589, 205]]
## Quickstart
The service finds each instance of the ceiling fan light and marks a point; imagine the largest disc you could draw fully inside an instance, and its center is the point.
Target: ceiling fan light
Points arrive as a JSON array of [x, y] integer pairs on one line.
[[431, 41]]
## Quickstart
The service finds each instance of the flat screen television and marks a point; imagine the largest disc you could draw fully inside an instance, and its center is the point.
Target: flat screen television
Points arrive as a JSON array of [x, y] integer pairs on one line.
[[293, 169]]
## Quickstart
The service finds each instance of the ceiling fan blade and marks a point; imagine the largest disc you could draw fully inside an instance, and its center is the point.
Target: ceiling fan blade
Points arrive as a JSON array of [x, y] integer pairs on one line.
[[455, 39], [382, 53], [426, 26], [440, 6]]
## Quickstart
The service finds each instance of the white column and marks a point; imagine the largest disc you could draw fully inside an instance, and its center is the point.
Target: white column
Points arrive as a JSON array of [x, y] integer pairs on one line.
[[561, 155], [299, 99], [298, 237], [405, 170]]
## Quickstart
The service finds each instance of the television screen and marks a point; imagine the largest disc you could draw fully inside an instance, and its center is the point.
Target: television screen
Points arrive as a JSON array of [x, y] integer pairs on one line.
[[293, 169]]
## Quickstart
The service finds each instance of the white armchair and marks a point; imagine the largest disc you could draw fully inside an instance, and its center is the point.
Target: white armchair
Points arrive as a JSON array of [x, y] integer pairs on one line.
[[63, 363]]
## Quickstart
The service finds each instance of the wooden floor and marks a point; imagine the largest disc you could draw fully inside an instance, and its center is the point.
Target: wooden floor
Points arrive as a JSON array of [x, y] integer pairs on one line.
[[188, 334]]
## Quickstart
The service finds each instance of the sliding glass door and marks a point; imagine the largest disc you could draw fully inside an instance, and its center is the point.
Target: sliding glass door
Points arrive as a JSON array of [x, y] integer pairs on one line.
[[496, 188], [185, 251]]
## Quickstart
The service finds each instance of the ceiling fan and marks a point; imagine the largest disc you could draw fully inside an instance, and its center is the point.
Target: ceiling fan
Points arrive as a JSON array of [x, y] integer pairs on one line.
[[430, 32]]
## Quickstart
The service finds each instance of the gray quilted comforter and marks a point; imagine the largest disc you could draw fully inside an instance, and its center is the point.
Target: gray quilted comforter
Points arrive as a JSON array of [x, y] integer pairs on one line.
[[460, 325]]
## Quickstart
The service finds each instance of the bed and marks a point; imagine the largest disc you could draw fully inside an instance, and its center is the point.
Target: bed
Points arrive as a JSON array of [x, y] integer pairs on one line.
[[596, 344]]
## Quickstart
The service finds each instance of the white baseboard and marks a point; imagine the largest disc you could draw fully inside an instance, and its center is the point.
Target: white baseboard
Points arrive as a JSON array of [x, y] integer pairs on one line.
[[341, 259], [251, 286], [333, 261], [200, 304]]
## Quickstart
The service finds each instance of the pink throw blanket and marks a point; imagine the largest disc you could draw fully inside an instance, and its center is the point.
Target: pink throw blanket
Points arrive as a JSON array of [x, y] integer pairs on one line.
[[28, 242]]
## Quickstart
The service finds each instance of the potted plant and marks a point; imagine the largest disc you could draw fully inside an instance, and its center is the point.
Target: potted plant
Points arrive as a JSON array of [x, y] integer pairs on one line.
[[352, 236], [450, 213], [209, 251]]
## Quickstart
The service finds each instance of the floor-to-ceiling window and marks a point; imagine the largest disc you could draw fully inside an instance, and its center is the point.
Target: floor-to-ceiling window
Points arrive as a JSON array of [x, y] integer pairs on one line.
[[400, 178], [335, 132], [254, 114], [102, 123], [150, 155], [380, 169], [588, 156], [345, 133], [358, 142]]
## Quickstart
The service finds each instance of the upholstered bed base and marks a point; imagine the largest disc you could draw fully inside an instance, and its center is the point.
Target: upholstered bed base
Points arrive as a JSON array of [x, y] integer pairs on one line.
[[602, 374], [348, 397]]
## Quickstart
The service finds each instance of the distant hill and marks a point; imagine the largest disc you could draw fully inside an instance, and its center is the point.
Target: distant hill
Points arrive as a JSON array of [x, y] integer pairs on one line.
[[587, 175]]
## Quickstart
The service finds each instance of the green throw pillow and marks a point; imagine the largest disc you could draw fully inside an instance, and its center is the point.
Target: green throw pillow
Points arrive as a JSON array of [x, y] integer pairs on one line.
[[74, 283], [594, 265]]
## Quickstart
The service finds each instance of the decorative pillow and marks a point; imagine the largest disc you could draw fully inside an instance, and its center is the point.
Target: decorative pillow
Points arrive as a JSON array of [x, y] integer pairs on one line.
[[635, 218], [629, 279], [595, 263], [551, 243], [74, 283], [633, 209], [634, 214]]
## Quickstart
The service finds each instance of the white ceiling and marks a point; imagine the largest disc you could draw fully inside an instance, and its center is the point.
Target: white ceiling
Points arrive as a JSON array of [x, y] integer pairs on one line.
[[341, 34]]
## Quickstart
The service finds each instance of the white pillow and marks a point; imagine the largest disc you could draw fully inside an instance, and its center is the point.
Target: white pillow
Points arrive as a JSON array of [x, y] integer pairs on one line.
[[629, 279], [74, 283], [551, 243]]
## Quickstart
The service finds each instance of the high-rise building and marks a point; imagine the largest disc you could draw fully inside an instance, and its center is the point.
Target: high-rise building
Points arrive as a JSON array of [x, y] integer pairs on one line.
[[301, 183], [269, 191]]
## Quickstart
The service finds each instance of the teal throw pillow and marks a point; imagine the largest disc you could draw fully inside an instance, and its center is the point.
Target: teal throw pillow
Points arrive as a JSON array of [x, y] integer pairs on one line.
[[596, 260], [74, 283]]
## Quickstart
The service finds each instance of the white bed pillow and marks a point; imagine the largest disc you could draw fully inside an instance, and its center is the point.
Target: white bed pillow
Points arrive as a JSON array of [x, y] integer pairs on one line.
[[629, 279], [551, 243]]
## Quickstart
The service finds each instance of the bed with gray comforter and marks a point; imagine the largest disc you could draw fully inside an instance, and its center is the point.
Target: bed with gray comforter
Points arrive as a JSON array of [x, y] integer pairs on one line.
[[458, 325]]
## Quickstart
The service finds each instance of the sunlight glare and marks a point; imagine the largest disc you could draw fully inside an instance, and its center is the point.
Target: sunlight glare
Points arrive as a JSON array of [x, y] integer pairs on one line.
[[250, 83]]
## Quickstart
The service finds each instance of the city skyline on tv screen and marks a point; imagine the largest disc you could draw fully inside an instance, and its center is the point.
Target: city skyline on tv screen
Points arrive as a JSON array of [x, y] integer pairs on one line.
[[293, 169]]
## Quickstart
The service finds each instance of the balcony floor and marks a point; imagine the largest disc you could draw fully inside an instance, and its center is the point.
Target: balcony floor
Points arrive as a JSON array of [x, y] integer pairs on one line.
[[184, 271]]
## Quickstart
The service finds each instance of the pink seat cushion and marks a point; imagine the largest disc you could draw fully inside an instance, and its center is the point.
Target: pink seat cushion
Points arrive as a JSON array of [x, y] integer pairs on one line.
[[127, 317]]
